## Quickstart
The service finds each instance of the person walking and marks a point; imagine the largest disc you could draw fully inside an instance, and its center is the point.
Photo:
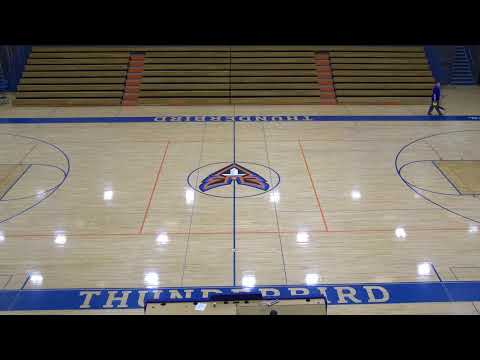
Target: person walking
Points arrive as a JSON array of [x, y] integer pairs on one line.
[[436, 100]]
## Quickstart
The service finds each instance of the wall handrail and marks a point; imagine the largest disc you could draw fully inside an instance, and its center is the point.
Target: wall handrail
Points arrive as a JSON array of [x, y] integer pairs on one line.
[[473, 63]]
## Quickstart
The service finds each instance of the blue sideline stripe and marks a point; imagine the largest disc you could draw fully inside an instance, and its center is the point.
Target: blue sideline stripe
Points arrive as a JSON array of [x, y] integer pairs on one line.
[[363, 293], [75, 120], [225, 118]]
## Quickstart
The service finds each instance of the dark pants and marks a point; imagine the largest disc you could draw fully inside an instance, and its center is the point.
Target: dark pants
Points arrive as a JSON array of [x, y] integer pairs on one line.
[[437, 107]]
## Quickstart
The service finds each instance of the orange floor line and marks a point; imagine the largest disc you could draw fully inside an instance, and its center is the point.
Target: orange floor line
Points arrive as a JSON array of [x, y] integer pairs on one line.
[[313, 186], [154, 188]]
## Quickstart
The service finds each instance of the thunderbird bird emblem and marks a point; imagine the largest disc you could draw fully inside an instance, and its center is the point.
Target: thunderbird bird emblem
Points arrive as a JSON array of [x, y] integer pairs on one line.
[[233, 172]]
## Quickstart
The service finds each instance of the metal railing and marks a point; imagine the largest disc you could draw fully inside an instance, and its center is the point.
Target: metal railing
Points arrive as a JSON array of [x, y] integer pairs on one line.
[[473, 63]]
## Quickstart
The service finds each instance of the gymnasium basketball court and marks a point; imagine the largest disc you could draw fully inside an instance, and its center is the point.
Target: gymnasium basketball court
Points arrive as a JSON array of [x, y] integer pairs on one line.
[[373, 208]]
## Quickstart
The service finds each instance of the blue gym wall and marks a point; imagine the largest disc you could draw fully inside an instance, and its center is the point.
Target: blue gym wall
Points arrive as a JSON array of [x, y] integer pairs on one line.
[[13, 60], [440, 57]]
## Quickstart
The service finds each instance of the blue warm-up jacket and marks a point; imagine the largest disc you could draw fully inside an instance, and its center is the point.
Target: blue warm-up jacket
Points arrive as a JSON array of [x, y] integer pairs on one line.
[[436, 94]]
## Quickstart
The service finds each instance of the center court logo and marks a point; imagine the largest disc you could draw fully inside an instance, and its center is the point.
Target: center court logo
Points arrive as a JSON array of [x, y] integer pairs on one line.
[[234, 173], [218, 179]]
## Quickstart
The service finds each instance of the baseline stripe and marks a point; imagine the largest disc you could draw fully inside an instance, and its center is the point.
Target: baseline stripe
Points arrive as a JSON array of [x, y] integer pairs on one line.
[[239, 118], [336, 294]]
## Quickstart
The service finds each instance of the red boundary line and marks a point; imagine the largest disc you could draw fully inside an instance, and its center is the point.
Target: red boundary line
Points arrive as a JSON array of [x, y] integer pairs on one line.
[[154, 188], [313, 186]]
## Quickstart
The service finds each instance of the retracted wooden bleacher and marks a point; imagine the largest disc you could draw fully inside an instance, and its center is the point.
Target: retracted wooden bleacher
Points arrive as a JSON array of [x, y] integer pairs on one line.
[[273, 75], [229, 75], [188, 75], [381, 75], [62, 76]]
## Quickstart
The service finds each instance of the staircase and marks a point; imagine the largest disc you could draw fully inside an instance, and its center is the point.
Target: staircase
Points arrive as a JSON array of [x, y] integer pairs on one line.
[[325, 79], [134, 78], [461, 69], [3, 80]]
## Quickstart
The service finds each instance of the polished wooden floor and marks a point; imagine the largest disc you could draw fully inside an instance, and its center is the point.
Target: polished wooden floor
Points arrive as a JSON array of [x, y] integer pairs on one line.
[[108, 205]]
